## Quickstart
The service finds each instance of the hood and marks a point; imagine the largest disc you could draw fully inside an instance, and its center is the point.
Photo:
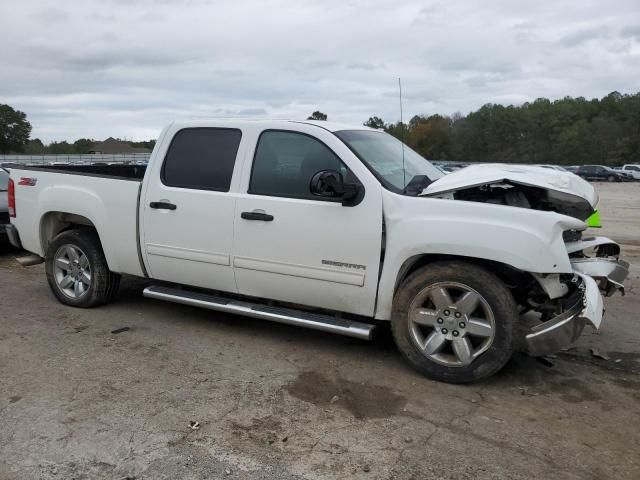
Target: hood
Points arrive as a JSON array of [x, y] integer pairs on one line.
[[519, 186]]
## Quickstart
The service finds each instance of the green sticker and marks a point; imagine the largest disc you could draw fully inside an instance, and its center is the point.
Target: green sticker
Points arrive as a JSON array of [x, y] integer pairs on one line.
[[594, 220]]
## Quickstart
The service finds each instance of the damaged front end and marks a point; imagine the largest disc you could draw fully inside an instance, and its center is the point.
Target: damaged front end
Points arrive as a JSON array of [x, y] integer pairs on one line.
[[599, 258], [518, 186], [555, 307], [571, 304]]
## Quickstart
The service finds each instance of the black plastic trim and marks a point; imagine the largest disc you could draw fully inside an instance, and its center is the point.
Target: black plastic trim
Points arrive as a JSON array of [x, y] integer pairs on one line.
[[263, 217], [75, 172], [163, 205], [143, 267], [14, 236]]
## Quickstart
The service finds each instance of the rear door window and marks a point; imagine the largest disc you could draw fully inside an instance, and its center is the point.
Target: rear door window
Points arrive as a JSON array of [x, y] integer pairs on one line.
[[201, 159]]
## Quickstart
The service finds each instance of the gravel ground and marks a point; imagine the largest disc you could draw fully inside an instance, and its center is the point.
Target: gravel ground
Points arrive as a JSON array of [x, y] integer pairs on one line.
[[276, 402]]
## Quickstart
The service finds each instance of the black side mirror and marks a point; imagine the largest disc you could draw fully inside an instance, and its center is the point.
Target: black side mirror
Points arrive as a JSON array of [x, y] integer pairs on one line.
[[330, 184]]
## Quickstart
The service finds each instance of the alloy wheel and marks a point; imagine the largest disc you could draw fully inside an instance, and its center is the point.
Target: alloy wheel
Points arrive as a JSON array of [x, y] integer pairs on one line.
[[451, 323], [72, 271]]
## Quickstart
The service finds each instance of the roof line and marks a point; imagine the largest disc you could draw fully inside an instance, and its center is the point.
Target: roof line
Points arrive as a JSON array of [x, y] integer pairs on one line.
[[313, 124]]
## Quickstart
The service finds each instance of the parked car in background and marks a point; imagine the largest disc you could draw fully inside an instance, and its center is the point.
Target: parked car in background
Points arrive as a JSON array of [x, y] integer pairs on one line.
[[4, 205], [601, 173], [632, 169], [571, 168]]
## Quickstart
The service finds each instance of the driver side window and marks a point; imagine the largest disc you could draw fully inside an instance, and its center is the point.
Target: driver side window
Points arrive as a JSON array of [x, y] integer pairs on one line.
[[285, 162]]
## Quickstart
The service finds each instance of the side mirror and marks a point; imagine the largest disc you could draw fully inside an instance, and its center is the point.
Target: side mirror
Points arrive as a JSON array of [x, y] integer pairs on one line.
[[330, 184]]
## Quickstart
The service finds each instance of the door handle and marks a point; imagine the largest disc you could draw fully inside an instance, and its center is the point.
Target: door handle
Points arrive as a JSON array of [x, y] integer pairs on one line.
[[257, 215], [163, 205]]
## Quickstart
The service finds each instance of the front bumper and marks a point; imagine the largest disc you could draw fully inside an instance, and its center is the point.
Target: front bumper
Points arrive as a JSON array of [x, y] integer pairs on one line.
[[599, 257], [610, 273], [585, 306], [594, 277]]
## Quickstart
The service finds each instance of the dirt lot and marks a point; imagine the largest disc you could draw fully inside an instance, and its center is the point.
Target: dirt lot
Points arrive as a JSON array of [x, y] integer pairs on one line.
[[77, 401]]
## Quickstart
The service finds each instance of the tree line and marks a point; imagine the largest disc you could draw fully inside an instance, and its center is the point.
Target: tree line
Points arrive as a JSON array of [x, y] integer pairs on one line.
[[80, 146], [569, 131]]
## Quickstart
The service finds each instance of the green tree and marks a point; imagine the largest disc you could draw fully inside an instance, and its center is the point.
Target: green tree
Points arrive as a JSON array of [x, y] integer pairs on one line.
[[83, 145], [144, 144], [317, 115], [567, 131], [398, 130], [431, 136], [374, 122], [14, 130], [34, 147], [60, 148]]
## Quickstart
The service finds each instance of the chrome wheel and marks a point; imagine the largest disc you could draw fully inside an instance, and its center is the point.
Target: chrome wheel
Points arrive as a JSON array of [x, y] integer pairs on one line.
[[72, 271], [451, 323]]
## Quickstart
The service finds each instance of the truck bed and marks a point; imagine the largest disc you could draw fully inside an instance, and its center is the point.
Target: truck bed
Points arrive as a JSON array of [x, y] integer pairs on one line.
[[105, 196]]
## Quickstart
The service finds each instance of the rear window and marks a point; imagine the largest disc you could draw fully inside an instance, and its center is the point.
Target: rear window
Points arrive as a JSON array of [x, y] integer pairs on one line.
[[4, 180], [201, 158]]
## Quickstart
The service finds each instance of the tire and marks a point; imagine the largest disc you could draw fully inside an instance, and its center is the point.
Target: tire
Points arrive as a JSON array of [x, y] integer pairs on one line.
[[611, 178], [87, 267], [490, 349]]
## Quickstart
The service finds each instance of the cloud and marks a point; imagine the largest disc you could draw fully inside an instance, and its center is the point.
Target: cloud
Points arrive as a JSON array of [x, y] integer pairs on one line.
[[90, 68], [583, 35]]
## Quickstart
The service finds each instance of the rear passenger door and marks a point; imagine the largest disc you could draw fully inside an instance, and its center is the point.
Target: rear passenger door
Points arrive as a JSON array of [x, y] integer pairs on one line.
[[187, 209]]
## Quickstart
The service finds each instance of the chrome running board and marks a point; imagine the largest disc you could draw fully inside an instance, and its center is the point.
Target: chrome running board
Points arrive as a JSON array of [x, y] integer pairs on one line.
[[290, 316]]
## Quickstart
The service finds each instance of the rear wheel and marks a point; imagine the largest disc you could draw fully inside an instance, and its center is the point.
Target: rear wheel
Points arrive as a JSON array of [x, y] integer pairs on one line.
[[454, 322], [77, 270]]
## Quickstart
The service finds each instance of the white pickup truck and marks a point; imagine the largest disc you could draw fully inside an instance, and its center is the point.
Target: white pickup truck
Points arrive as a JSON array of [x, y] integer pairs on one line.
[[330, 227], [632, 169]]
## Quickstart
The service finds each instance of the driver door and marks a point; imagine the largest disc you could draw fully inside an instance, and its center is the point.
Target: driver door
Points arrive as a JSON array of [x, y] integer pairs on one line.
[[296, 247]]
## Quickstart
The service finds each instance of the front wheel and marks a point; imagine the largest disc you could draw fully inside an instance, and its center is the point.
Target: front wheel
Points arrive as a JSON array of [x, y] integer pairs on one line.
[[77, 270], [454, 321], [611, 178]]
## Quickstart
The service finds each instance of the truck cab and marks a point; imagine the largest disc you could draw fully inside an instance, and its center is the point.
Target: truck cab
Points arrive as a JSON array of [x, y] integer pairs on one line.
[[333, 227]]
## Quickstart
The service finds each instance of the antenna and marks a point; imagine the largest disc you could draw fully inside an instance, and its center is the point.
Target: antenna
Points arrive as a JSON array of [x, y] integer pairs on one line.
[[404, 173]]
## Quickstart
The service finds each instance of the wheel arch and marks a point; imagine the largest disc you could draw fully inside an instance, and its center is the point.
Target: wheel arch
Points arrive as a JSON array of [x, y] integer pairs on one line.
[[511, 276], [53, 223]]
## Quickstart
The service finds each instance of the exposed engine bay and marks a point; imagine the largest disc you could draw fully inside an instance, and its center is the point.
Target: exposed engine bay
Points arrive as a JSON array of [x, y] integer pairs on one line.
[[515, 194], [522, 186]]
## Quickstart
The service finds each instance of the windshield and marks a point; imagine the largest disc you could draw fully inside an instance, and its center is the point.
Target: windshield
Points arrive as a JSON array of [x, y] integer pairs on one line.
[[382, 153]]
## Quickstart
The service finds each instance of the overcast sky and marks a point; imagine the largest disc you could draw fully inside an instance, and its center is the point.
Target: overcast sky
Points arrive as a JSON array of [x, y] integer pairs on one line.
[[82, 68]]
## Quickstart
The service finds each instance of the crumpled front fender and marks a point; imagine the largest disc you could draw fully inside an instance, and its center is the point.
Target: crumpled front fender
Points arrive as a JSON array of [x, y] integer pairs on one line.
[[600, 258]]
